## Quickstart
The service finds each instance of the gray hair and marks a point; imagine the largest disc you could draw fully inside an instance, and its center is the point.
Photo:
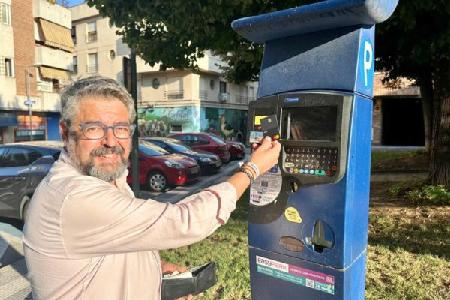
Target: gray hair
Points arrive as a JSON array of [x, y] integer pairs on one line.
[[108, 88]]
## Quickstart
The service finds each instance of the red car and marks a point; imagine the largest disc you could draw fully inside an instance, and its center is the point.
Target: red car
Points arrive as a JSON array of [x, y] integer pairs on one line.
[[237, 149], [159, 169], [206, 142]]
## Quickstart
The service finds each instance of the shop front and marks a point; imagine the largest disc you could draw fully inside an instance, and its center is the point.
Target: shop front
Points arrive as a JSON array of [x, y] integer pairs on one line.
[[19, 126]]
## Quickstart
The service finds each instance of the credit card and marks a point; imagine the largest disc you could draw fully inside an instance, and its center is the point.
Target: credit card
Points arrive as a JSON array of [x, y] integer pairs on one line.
[[269, 126]]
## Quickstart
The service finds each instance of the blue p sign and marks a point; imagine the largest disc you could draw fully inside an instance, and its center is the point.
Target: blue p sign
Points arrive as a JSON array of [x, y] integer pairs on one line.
[[368, 61]]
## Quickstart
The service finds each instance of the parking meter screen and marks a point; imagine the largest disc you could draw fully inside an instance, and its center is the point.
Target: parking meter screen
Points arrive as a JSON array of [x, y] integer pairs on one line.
[[312, 123]]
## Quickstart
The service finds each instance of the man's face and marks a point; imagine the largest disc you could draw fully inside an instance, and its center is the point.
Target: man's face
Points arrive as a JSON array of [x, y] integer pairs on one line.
[[104, 158]]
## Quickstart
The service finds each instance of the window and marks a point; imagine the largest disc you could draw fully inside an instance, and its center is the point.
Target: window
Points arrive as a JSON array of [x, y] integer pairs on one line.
[[223, 87], [73, 34], [223, 95], [75, 65], [92, 66], [5, 14], [112, 54], [251, 93], [200, 140], [176, 128], [91, 31], [6, 66], [155, 83], [18, 157], [56, 86]]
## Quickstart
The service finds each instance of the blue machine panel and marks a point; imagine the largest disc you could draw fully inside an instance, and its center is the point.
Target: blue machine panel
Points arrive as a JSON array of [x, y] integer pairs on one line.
[[308, 216], [342, 207]]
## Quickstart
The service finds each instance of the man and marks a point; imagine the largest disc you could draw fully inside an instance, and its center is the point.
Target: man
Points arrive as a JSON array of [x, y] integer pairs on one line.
[[87, 236]]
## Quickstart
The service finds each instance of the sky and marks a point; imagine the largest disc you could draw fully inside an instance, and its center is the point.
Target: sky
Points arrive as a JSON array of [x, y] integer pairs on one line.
[[72, 2]]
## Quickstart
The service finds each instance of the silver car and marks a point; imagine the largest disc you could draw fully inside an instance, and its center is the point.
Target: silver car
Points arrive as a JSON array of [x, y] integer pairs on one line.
[[22, 167]]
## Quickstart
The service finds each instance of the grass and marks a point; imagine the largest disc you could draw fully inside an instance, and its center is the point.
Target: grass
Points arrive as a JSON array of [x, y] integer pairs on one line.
[[400, 160], [408, 253]]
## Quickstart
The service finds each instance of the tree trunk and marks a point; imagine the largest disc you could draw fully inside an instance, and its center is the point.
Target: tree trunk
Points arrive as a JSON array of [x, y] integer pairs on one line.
[[426, 93], [440, 141]]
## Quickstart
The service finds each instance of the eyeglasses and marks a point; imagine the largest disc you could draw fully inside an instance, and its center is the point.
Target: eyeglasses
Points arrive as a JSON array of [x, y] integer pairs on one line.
[[97, 130]]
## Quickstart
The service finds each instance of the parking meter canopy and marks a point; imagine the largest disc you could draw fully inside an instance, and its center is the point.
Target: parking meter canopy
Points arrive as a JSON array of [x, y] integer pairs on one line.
[[315, 17]]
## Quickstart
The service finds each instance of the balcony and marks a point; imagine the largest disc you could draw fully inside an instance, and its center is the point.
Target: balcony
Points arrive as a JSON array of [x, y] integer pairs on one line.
[[92, 69], [174, 94], [53, 13], [224, 97], [203, 95], [92, 36], [50, 102], [53, 58], [244, 99]]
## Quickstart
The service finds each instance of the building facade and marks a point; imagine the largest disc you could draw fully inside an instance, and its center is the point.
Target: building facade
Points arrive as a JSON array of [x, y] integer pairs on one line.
[[397, 114], [168, 101], [35, 60]]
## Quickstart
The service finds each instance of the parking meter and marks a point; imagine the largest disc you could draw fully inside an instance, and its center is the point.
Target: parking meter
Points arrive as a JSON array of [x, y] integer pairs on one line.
[[308, 216]]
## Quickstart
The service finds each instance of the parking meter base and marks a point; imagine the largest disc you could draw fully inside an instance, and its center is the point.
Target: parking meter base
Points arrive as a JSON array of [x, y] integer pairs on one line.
[[301, 279]]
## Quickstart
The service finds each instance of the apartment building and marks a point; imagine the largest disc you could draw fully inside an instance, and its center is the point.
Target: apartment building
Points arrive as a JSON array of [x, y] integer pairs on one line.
[[168, 101], [35, 60]]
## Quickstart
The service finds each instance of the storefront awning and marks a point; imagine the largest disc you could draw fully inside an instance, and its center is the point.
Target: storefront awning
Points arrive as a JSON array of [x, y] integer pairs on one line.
[[51, 73], [56, 35]]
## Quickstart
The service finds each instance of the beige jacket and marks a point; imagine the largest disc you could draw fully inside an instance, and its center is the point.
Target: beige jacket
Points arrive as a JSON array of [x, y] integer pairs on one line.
[[88, 239]]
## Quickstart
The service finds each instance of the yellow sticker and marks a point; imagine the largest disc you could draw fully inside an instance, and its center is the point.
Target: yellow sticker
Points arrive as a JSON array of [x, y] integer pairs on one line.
[[292, 215], [258, 119]]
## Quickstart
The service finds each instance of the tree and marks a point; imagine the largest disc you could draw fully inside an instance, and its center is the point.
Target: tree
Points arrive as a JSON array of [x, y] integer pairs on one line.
[[175, 33], [415, 43]]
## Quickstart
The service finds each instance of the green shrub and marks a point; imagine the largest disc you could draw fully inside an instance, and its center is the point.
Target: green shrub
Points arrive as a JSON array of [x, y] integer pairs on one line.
[[429, 194]]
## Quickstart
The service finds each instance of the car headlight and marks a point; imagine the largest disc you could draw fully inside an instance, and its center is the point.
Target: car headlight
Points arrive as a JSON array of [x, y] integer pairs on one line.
[[173, 164], [205, 159]]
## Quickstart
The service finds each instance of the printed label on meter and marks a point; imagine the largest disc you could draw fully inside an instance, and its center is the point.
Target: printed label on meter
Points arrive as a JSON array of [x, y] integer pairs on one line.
[[265, 189]]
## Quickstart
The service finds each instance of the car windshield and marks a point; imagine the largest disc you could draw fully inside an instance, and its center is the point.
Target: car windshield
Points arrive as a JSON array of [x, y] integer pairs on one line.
[[179, 147], [151, 149]]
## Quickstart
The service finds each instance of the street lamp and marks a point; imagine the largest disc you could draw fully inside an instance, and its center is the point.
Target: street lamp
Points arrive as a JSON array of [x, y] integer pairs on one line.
[[29, 102]]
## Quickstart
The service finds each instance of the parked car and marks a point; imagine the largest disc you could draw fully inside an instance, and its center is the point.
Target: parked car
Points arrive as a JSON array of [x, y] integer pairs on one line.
[[22, 167], [206, 142], [237, 149], [207, 161], [159, 169]]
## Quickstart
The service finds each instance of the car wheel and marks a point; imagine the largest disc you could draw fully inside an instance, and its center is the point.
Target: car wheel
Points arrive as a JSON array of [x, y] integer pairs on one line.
[[25, 204], [157, 182]]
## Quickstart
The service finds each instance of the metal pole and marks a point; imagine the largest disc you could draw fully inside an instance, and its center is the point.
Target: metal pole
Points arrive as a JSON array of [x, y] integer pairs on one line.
[[30, 112], [134, 152]]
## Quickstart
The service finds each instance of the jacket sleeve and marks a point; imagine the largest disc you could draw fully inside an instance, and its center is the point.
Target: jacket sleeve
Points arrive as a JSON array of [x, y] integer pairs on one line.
[[104, 220]]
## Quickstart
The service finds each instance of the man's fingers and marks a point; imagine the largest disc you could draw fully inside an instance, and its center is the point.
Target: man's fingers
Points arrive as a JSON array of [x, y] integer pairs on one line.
[[266, 143]]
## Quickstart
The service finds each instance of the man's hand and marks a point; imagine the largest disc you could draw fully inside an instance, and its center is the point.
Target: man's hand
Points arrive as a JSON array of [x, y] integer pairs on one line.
[[169, 268]]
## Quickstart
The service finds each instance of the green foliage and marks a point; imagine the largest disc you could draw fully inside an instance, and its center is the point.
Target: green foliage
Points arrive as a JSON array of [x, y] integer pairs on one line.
[[430, 194], [420, 193], [175, 33], [415, 41]]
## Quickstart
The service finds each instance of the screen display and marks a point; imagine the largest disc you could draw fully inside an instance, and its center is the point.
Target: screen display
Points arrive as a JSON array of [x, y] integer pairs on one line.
[[314, 123]]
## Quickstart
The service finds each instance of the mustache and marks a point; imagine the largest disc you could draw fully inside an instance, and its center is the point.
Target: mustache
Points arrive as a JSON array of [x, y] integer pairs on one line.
[[107, 150]]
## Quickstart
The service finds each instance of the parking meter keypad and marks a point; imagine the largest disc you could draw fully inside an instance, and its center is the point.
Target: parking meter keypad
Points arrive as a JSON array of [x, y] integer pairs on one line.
[[312, 161]]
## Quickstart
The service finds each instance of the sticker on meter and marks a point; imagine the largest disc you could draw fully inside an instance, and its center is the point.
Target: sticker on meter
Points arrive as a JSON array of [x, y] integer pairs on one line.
[[265, 188], [292, 215]]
